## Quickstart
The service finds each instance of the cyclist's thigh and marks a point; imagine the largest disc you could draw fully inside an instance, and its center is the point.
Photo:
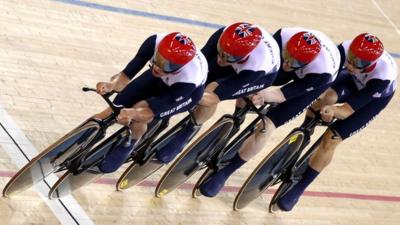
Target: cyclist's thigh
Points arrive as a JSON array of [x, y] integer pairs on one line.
[[361, 118], [291, 108], [184, 104], [143, 87]]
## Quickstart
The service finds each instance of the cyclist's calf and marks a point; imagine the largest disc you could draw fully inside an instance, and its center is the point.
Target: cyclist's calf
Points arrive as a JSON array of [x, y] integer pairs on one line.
[[256, 142], [324, 154]]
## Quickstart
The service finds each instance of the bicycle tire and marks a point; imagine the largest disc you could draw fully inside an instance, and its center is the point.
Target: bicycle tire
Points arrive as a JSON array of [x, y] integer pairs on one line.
[[295, 175], [188, 162], [225, 156], [269, 169], [51, 159], [70, 182], [145, 166]]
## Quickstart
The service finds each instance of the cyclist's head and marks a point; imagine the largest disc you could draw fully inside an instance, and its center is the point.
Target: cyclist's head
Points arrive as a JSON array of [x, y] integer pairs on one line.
[[364, 50], [173, 52], [301, 49], [237, 41]]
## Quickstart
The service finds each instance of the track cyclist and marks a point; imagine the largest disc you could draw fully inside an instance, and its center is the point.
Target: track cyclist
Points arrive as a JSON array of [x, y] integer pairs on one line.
[[363, 89], [174, 83], [242, 59], [309, 64]]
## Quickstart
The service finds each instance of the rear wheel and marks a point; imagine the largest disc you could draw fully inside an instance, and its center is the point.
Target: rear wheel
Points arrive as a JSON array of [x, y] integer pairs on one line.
[[224, 157], [53, 158], [295, 175], [143, 164], [195, 157], [270, 169], [87, 171]]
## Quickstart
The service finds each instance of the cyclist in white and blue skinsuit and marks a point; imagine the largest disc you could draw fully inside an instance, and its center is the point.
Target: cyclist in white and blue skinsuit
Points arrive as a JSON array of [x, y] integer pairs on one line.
[[310, 63], [242, 59], [174, 83], [363, 89]]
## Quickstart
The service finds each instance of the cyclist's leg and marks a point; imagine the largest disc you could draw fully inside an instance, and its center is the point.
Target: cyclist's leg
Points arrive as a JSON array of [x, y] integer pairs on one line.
[[339, 131], [324, 152], [115, 158], [143, 87], [214, 184], [276, 117], [178, 142], [203, 111]]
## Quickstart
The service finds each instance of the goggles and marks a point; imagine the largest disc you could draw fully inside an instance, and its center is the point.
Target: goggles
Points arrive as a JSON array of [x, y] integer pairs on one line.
[[292, 62], [357, 62], [227, 57], [165, 65]]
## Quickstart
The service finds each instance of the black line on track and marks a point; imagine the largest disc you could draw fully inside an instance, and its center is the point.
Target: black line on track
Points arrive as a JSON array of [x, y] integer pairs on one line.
[[48, 185]]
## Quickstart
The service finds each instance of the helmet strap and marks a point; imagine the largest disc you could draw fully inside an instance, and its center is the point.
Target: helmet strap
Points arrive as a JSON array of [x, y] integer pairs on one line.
[[243, 60], [369, 68]]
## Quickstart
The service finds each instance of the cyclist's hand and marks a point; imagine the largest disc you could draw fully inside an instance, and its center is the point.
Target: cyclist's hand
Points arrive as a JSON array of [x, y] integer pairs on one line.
[[257, 99], [327, 113], [104, 87], [125, 117]]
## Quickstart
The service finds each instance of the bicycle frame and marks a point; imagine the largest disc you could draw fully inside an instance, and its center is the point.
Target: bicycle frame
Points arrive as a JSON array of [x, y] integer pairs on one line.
[[291, 173], [215, 161], [74, 163]]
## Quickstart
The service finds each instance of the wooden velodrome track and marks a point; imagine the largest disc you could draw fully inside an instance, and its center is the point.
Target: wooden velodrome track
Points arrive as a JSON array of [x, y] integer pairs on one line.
[[49, 49]]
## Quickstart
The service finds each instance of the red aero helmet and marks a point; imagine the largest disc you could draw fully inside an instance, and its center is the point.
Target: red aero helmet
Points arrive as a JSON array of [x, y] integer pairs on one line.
[[303, 47], [177, 48], [239, 39], [366, 47]]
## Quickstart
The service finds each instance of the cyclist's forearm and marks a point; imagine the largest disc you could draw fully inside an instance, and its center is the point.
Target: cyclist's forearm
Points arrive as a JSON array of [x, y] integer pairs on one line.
[[141, 114], [272, 94], [343, 111], [209, 98], [329, 97], [144, 115], [119, 81]]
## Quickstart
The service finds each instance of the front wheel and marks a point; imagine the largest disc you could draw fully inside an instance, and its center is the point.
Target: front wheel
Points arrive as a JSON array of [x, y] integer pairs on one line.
[[195, 156], [52, 158], [87, 171], [295, 174], [270, 169], [144, 164]]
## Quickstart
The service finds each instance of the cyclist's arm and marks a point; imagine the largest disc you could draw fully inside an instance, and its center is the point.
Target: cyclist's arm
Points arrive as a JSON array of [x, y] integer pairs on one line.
[[210, 48], [144, 54], [119, 81], [296, 88], [228, 88], [209, 97], [142, 112], [360, 99], [366, 95], [310, 82], [340, 111], [271, 94]]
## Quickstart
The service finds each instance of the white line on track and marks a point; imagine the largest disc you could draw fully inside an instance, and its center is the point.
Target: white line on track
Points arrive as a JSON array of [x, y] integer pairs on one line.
[[386, 16], [67, 210]]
